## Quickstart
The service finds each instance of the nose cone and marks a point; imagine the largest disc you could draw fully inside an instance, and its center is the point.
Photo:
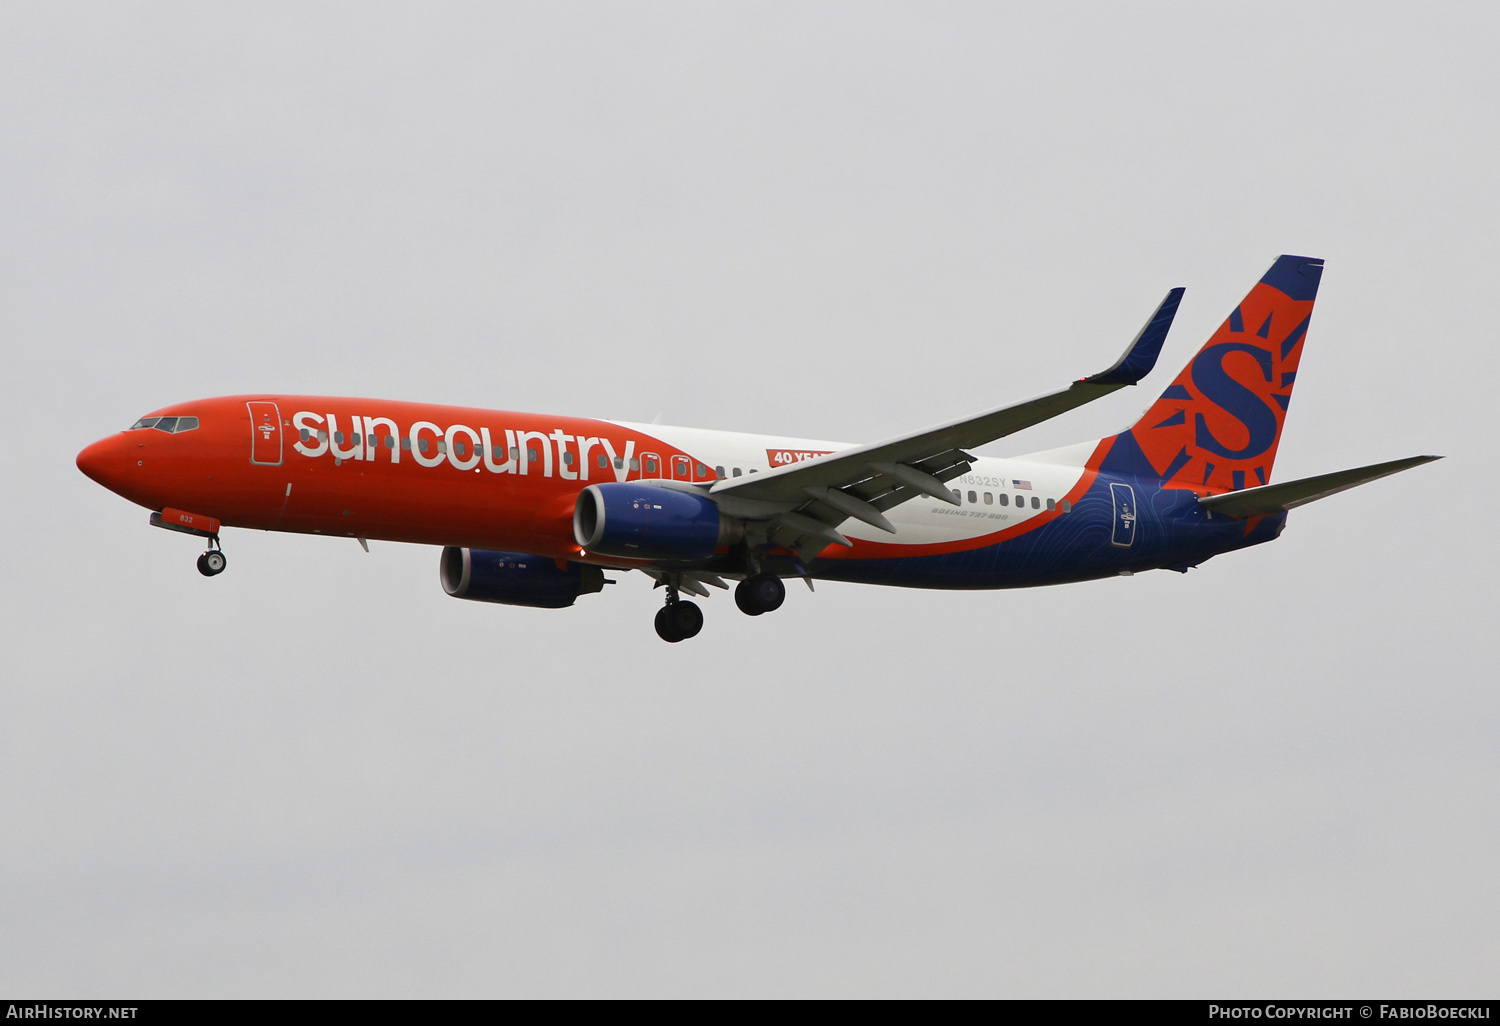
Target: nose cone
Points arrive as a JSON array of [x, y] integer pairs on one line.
[[105, 462]]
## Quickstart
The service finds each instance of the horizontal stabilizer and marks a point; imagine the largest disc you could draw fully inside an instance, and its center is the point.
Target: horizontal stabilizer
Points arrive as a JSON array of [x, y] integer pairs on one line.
[[1278, 498]]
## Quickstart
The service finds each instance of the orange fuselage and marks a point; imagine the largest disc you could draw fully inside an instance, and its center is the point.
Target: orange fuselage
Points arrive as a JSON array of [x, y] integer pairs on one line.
[[380, 469]]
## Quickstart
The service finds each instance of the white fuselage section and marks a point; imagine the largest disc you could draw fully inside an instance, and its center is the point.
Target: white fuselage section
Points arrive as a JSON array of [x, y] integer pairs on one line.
[[996, 494]]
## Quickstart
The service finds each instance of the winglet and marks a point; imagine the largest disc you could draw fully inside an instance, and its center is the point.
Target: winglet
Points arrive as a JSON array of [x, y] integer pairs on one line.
[[1140, 356]]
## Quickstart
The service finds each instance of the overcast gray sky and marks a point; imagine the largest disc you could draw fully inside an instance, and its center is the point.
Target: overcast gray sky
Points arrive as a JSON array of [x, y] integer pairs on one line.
[[317, 775]]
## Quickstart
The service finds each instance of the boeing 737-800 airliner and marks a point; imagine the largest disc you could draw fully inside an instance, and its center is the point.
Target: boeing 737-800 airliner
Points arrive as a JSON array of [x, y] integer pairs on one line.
[[533, 509]]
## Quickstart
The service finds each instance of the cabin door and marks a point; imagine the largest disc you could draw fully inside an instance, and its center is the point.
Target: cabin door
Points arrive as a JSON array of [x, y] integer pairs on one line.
[[265, 434]]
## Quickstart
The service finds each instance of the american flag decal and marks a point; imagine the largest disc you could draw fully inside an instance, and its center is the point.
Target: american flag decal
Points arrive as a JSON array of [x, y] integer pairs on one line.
[[1021, 484]]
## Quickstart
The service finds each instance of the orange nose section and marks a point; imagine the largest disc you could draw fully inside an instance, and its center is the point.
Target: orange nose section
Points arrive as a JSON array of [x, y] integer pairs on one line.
[[105, 461]]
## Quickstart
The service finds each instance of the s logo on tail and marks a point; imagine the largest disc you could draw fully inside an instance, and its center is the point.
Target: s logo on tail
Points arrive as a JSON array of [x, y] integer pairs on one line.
[[1216, 428]]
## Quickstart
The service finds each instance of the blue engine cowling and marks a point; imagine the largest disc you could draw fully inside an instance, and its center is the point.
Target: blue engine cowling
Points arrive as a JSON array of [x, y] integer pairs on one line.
[[515, 578], [642, 521]]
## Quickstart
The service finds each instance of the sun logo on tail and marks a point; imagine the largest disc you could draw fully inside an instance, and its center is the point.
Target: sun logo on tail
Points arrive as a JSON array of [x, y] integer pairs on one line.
[[1216, 428]]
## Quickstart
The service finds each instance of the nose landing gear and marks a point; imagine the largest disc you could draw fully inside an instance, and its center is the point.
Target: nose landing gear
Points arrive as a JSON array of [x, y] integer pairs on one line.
[[212, 562]]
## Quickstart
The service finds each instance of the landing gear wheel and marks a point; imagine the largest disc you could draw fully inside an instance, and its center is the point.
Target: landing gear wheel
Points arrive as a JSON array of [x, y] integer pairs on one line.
[[687, 618], [762, 593], [678, 621], [212, 563], [664, 627]]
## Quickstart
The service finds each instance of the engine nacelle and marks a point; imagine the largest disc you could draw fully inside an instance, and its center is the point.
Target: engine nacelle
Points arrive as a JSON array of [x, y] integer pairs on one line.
[[642, 521], [515, 578]]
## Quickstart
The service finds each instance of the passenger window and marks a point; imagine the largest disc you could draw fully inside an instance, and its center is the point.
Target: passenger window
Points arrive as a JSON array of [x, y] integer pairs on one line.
[[737, 472], [306, 435], [442, 448], [635, 464], [168, 424], [973, 498], [989, 500], [719, 473], [358, 438], [186, 424], [1067, 507], [650, 466], [532, 455], [702, 470], [406, 444], [1036, 503], [619, 462], [322, 435], [423, 444], [1004, 499], [338, 438], [390, 441], [601, 458], [1051, 504], [567, 459], [458, 449], [515, 453]]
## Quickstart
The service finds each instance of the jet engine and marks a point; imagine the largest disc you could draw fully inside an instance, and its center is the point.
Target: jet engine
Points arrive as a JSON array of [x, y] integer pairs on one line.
[[515, 578], [643, 521]]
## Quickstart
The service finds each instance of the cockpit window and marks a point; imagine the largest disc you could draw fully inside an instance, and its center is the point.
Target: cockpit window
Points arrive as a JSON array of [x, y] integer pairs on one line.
[[171, 425]]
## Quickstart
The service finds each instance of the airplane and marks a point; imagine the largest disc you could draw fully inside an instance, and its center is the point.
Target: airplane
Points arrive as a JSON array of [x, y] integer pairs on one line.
[[534, 509]]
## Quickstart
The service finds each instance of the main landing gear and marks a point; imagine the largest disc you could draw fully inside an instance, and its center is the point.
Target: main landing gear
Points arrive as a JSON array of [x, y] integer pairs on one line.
[[678, 620], [212, 562], [760, 593]]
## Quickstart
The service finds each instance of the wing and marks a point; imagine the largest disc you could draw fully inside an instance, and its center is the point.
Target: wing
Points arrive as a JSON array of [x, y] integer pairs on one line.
[[1278, 498], [801, 505]]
